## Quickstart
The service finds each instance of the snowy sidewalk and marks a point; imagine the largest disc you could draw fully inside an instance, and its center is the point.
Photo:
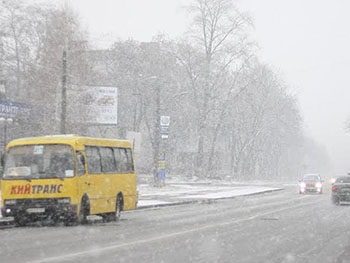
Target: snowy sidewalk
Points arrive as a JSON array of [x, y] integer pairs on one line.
[[177, 193]]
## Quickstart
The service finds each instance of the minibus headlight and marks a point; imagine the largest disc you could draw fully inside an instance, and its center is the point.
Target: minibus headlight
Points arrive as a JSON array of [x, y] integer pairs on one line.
[[10, 202], [63, 201]]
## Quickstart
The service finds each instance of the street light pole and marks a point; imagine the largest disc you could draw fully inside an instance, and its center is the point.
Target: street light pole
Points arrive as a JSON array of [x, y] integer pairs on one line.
[[64, 93], [137, 111]]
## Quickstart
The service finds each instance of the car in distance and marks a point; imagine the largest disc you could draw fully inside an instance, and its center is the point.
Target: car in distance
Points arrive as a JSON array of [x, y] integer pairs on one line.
[[341, 190], [311, 183]]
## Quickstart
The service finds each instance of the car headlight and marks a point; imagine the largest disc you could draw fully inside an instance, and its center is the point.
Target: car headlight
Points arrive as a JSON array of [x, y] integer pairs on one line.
[[10, 202], [302, 185], [63, 201], [318, 185]]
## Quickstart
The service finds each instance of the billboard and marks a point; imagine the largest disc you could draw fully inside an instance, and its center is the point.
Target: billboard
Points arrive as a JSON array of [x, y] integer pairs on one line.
[[97, 104]]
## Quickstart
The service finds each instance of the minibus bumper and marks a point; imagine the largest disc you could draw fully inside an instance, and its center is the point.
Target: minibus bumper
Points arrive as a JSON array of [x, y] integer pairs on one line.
[[38, 210]]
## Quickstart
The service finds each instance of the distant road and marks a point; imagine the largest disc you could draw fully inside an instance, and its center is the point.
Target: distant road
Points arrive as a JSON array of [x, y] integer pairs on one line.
[[276, 227]]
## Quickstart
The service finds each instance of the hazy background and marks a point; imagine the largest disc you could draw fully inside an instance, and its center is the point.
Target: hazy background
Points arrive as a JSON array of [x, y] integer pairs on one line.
[[307, 42]]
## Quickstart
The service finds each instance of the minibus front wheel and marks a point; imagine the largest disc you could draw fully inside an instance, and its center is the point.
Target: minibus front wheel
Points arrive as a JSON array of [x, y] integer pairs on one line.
[[20, 220], [118, 206]]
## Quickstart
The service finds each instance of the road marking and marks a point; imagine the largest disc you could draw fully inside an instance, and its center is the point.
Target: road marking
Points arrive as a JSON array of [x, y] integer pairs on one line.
[[158, 238]]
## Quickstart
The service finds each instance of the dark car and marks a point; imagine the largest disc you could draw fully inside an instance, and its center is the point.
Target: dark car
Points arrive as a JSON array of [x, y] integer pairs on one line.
[[311, 183], [341, 190]]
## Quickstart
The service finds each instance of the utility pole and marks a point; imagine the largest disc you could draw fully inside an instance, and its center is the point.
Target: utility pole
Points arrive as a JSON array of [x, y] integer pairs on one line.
[[64, 93], [157, 139]]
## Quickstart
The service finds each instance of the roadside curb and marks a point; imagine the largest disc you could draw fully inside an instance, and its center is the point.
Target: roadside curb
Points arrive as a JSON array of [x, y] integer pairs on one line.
[[204, 201], [6, 223]]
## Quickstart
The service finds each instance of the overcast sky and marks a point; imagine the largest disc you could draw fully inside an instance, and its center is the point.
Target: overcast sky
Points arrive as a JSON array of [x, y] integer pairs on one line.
[[306, 41]]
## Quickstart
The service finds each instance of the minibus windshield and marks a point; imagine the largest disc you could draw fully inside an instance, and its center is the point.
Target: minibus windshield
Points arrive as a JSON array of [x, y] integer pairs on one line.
[[39, 161]]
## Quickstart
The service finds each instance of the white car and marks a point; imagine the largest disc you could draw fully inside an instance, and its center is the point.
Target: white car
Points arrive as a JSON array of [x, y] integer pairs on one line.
[[311, 183]]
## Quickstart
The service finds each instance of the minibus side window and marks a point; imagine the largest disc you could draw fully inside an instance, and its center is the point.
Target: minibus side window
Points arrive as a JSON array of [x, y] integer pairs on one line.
[[130, 162], [107, 160], [123, 159], [93, 160]]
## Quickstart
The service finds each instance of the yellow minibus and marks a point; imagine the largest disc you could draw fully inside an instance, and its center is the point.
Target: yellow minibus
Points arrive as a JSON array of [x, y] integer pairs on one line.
[[67, 178]]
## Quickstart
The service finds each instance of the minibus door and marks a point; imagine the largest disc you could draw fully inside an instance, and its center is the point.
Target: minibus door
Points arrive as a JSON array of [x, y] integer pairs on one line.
[[83, 180]]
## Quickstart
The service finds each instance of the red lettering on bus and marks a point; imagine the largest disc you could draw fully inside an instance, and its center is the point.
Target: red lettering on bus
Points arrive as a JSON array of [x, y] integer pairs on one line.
[[14, 190], [20, 189], [27, 189]]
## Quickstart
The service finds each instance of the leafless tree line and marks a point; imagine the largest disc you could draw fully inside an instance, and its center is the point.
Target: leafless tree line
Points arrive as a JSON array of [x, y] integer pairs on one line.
[[231, 115]]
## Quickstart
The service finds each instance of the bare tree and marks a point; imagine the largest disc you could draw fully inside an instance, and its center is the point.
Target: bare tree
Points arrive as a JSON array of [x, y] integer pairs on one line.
[[33, 39], [219, 30], [21, 43]]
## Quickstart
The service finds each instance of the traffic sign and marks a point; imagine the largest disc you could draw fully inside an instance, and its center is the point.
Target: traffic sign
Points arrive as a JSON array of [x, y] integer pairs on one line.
[[165, 121]]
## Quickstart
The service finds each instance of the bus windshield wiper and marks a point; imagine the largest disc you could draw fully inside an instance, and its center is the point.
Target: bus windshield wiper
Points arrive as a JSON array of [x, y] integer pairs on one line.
[[52, 174], [56, 176], [18, 178]]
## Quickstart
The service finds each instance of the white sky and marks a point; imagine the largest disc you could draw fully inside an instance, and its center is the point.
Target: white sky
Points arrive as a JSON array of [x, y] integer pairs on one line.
[[307, 41]]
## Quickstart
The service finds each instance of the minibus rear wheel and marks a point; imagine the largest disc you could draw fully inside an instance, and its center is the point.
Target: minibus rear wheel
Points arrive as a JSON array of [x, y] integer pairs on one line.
[[119, 203]]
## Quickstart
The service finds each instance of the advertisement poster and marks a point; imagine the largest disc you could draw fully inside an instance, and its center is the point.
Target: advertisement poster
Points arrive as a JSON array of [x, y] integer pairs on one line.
[[99, 105]]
